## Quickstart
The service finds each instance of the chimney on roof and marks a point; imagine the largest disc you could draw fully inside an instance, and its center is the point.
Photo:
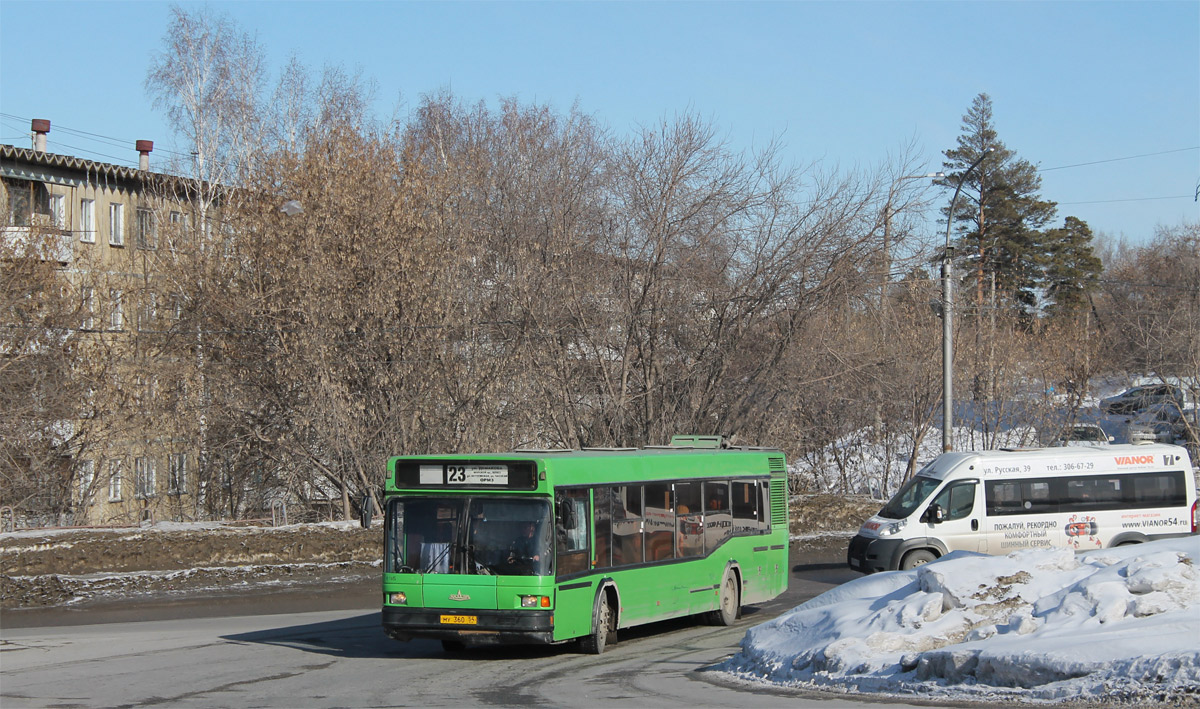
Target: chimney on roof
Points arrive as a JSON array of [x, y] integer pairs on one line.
[[40, 127], [144, 147]]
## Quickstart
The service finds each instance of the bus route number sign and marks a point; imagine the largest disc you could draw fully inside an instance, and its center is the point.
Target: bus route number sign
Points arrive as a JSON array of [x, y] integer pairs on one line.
[[466, 474]]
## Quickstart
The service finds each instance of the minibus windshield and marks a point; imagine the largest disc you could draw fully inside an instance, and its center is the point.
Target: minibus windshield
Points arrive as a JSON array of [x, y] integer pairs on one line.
[[909, 497]]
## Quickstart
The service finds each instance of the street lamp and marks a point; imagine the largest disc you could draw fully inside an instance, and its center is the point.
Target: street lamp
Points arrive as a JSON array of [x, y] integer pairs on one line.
[[948, 315], [887, 228]]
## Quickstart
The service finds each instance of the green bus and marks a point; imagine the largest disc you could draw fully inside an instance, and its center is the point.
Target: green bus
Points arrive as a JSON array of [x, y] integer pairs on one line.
[[537, 546]]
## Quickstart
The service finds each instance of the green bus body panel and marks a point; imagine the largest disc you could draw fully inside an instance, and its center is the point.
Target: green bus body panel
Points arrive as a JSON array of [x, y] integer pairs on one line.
[[647, 593], [485, 592]]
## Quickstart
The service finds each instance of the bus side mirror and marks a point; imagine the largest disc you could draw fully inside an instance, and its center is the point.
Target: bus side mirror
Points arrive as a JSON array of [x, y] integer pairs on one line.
[[364, 515], [566, 514]]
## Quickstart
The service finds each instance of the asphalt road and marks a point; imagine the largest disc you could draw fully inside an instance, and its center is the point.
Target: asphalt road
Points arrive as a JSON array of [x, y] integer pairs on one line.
[[271, 651]]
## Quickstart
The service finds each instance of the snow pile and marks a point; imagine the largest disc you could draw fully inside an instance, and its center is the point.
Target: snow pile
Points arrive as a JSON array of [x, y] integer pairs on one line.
[[1114, 624]]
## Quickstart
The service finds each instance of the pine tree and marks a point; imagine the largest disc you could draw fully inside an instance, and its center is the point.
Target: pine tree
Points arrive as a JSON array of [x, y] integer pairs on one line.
[[1000, 214], [1071, 268]]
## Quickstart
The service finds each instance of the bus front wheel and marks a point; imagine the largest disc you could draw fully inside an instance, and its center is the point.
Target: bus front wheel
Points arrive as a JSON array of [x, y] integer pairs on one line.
[[727, 608], [602, 631]]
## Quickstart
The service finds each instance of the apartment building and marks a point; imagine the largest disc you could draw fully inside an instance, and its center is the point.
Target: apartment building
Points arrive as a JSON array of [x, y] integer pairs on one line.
[[124, 449]]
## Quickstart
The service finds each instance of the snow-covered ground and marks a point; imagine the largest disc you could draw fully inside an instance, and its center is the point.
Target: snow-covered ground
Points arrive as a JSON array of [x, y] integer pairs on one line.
[[1110, 625]]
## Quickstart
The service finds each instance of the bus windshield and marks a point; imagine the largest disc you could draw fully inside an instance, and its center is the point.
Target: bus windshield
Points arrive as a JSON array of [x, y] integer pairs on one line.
[[461, 535], [909, 497]]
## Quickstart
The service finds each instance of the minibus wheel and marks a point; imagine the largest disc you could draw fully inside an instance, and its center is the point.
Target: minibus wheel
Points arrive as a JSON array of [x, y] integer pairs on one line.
[[915, 558]]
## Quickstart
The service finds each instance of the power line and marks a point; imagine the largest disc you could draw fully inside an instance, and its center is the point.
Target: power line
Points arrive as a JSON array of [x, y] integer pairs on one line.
[[1132, 199], [1131, 157], [106, 139]]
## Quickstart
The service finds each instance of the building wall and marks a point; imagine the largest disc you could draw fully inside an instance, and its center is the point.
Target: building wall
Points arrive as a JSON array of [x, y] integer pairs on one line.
[[134, 453]]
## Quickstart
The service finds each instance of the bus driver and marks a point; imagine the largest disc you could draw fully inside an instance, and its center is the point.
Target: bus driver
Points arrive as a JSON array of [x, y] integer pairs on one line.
[[525, 548]]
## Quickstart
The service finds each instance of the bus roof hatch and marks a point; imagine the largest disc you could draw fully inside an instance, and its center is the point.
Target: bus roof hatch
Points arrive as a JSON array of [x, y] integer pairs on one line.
[[697, 441]]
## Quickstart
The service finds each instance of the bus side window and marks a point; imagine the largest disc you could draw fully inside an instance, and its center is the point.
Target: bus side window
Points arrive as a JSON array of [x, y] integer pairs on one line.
[[745, 508], [689, 513], [571, 540], [627, 525], [764, 507], [660, 522], [718, 523], [603, 501]]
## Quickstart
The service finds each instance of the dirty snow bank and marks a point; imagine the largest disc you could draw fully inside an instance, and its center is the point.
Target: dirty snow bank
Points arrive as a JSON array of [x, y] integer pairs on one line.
[[1109, 625]]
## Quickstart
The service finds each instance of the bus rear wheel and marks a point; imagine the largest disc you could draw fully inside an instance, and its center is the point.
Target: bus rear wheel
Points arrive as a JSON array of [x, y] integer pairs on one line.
[[729, 605], [602, 633]]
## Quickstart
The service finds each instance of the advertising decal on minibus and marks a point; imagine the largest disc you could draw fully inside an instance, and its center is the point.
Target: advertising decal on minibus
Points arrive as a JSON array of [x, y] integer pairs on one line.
[[1080, 526], [1137, 460], [1019, 535], [1082, 529]]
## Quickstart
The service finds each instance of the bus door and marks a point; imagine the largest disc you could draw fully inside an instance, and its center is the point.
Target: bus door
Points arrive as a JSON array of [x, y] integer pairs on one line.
[[576, 592], [750, 505], [956, 517]]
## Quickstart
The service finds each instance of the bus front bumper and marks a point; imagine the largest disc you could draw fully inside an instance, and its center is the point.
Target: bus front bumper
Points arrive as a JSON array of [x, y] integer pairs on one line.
[[490, 627]]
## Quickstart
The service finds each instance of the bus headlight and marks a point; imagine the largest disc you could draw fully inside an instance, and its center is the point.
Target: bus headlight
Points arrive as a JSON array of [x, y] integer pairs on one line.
[[892, 528], [398, 599], [535, 601]]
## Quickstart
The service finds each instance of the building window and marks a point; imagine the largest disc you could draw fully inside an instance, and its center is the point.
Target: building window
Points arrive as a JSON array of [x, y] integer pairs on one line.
[[87, 220], [58, 211], [18, 205], [117, 315], [178, 474], [179, 229], [26, 199], [116, 224], [114, 481], [87, 477], [87, 306], [143, 476], [147, 233], [148, 311]]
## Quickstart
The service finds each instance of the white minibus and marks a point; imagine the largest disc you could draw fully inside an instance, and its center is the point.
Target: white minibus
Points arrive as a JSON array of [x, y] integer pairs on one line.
[[995, 502]]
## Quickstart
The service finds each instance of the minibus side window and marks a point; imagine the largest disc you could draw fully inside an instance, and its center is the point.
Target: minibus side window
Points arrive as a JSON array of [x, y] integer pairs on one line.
[[1161, 489], [957, 500], [1019, 497]]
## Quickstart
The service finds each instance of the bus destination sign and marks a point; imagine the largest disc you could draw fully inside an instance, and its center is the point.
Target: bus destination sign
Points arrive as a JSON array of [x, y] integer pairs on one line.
[[466, 474]]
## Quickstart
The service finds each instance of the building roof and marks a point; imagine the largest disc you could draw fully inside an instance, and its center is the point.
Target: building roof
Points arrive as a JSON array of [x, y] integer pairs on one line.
[[27, 164]]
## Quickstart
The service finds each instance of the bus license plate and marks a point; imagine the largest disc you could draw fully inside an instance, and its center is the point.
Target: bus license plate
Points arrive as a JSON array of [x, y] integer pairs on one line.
[[458, 620]]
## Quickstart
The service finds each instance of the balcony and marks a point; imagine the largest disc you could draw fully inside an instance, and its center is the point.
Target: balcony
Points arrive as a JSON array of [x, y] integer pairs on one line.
[[41, 242]]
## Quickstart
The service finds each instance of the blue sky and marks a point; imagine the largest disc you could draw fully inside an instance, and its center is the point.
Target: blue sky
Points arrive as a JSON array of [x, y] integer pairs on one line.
[[847, 84]]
